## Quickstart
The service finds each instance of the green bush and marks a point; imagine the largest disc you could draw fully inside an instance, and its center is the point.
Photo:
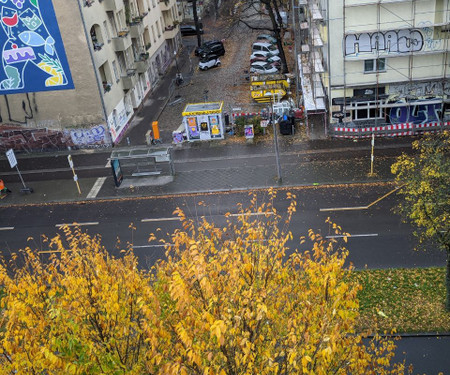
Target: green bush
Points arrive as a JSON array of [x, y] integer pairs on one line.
[[240, 122]]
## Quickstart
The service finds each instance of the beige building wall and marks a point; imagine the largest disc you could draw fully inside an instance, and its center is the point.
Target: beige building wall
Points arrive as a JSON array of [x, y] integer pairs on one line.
[[410, 37], [117, 51], [63, 108]]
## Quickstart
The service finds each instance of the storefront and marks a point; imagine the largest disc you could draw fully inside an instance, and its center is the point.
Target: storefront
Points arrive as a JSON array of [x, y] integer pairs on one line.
[[203, 121]]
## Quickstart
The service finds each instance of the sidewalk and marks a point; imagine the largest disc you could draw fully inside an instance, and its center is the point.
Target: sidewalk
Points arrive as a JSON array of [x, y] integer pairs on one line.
[[212, 167]]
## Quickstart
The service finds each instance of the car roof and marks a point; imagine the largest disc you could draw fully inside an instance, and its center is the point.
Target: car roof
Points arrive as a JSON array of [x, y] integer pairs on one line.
[[260, 63], [262, 44]]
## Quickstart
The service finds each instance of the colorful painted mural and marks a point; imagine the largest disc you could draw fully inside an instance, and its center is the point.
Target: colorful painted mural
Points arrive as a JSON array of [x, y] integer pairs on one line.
[[33, 55]]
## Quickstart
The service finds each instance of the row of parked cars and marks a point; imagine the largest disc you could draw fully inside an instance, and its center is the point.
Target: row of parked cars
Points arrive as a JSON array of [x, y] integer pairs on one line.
[[265, 55]]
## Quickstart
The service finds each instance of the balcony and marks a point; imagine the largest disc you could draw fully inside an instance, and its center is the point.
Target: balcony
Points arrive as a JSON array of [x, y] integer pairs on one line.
[[165, 5], [130, 80], [136, 29], [100, 55], [122, 42], [170, 32], [113, 5], [142, 66]]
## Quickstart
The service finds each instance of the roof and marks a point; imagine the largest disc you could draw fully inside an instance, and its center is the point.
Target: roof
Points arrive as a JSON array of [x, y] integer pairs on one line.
[[202, 108]]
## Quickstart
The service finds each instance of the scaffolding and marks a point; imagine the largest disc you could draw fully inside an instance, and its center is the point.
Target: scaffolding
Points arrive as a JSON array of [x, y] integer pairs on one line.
[[380, 95]]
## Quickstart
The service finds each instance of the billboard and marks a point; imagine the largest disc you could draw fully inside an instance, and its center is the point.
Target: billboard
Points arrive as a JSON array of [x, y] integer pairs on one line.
[[33, 55]]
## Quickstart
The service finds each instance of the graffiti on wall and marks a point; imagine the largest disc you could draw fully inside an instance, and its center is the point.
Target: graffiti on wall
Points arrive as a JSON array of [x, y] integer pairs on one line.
[[18, 114], [33, 55], [416, 113], [393, 41], [43, 139], [435, 88]]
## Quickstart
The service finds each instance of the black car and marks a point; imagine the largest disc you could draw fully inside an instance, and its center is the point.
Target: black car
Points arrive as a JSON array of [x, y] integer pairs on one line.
[[190, 30], [210, 47], [214, 49]]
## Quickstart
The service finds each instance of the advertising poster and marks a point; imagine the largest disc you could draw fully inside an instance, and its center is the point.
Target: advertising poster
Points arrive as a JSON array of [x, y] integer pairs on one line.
[[214, 126], [33, 54], [248, 131], [192, 126]]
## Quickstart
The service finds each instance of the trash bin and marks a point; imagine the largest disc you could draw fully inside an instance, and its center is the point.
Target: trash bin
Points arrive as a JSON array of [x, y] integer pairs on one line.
[[286, 127]]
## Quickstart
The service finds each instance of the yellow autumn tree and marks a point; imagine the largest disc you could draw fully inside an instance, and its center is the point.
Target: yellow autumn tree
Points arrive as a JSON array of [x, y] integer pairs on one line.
[[232, 302], [79, 312]]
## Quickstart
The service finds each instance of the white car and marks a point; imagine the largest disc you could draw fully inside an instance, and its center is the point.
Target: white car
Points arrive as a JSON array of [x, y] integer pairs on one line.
[[265, 47], [209, 61], [264, 56], [263, 67]]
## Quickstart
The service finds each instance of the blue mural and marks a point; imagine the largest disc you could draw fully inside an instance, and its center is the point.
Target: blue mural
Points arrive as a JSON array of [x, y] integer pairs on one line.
[[416, 113], [33, 56]]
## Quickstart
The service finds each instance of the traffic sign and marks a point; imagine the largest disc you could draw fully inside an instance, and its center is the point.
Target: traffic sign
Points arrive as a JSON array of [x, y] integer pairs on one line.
[[11, 158]]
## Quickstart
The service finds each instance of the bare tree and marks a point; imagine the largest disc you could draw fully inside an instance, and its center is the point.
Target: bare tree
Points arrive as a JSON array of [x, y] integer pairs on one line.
[[255, 14]]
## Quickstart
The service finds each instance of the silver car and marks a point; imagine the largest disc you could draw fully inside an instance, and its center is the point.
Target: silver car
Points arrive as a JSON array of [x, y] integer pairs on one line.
[[262, 67]]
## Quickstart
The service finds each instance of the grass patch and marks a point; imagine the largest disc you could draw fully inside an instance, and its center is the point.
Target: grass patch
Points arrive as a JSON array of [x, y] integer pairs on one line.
[[408, 300]]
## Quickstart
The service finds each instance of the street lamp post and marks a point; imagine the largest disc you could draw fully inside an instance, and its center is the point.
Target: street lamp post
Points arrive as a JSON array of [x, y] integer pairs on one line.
[[275, 138], [176, 61]]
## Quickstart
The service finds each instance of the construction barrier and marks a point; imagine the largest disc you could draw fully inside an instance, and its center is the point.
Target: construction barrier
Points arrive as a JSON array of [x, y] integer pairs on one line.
[[396, 130]]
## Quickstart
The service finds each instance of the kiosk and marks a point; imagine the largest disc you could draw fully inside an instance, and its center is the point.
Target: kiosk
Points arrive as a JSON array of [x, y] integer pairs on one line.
[[203, 121]]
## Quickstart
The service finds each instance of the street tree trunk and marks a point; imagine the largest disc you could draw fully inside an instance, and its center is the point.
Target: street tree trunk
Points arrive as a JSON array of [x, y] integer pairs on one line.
[[277, 31], [447, 281], [197, 28]]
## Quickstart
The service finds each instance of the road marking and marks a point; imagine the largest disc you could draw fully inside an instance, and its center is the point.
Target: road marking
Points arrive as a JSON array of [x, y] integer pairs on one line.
[[159, 245], [96, 188], [344, 208], [77, 224], [161, 219], [354, 235], [108, 164], [362, 207], [6, 228], [252, 214], [52, 251]]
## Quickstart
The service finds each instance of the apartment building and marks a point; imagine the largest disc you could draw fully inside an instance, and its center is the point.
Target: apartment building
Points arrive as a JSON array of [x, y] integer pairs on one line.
[[84, 67], [376, 62]]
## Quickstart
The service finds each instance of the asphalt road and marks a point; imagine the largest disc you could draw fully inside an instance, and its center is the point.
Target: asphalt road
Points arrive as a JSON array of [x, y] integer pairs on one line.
[[379, 239]]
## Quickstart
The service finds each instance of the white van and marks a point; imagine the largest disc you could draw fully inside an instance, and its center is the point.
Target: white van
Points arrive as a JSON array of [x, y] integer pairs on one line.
[[265, 47]]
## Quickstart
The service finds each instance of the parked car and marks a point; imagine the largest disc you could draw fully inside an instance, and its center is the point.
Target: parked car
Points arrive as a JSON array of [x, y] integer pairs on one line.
[[209, 61], [190, 30], [214, 47], [265, 47], [266, 38], [264, 56], [262, 67]]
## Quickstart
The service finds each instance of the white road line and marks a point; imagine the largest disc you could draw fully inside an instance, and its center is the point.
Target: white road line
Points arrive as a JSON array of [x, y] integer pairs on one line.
[[344, 208], [252, 214], [96, 188], [354, 235], [6, 228], [160, 219], [108, 164], [77, 224], [145, 246]]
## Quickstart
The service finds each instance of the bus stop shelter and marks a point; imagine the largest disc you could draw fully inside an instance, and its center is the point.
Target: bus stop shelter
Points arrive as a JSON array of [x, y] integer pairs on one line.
[[140, 161]]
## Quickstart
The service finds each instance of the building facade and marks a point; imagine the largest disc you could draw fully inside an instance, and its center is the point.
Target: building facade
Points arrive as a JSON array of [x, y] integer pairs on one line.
[[115, 50], [379, 62]]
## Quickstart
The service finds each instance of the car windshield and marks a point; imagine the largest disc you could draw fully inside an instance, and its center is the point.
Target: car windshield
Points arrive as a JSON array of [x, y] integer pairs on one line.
[[273, 48]]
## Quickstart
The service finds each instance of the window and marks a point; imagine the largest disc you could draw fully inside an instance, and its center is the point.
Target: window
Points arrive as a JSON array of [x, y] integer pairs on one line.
[[105, 26], [366, 110], [116, 72], [376, 65]]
